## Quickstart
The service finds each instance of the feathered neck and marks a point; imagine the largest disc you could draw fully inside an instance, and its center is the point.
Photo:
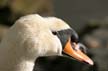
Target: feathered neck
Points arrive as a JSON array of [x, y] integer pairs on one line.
[[26, 40], [12, 61]]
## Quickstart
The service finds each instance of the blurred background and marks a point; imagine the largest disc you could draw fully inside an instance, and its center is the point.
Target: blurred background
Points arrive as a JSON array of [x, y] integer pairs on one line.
[[88, 17]]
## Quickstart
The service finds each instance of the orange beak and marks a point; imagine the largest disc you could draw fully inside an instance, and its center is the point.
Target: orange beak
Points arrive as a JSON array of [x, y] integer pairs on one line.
[[76, 53]]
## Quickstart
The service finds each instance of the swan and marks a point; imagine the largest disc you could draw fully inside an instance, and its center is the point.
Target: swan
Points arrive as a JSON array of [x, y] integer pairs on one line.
[[33, 36]]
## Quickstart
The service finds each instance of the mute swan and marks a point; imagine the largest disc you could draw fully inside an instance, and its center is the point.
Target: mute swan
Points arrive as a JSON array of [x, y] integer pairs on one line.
[[32, 36]]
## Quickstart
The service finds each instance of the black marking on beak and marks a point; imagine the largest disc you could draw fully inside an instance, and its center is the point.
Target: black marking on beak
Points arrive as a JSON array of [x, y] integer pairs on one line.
[[63, 35], [70, 43]]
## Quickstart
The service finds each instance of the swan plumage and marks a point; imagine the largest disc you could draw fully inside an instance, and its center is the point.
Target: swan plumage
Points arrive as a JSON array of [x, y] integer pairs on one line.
[[30, 37]]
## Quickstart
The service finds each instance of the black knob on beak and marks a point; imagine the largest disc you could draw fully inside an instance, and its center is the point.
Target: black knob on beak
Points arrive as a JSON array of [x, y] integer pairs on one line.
[[71, 46], [64, 35], [74, 36]]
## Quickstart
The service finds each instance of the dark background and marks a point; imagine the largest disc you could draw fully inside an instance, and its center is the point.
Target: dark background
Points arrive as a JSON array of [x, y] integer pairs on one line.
[[77, 12]]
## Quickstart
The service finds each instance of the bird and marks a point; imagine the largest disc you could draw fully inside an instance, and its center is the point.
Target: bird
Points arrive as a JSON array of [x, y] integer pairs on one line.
[[34, 36]]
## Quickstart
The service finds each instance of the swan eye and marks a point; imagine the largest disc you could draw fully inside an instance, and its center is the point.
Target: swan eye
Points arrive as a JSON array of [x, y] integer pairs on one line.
[[82, 48], [54, 33]]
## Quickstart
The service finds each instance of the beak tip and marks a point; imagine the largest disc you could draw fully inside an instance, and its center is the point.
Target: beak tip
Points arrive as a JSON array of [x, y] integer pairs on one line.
[[77, 54], [90, 62]]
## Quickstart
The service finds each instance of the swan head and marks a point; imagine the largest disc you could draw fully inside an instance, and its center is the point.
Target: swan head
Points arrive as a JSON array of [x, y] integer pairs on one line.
[[36, 36]]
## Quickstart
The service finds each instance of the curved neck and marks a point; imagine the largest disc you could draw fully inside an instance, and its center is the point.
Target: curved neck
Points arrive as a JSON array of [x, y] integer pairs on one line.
[[16, 65], [10, 61]]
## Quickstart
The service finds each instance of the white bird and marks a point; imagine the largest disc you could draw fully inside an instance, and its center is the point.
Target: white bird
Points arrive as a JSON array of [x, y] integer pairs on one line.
[[33, 36]]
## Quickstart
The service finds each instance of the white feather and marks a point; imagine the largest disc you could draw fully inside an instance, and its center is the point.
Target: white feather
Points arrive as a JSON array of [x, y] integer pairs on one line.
[[30, 37]]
